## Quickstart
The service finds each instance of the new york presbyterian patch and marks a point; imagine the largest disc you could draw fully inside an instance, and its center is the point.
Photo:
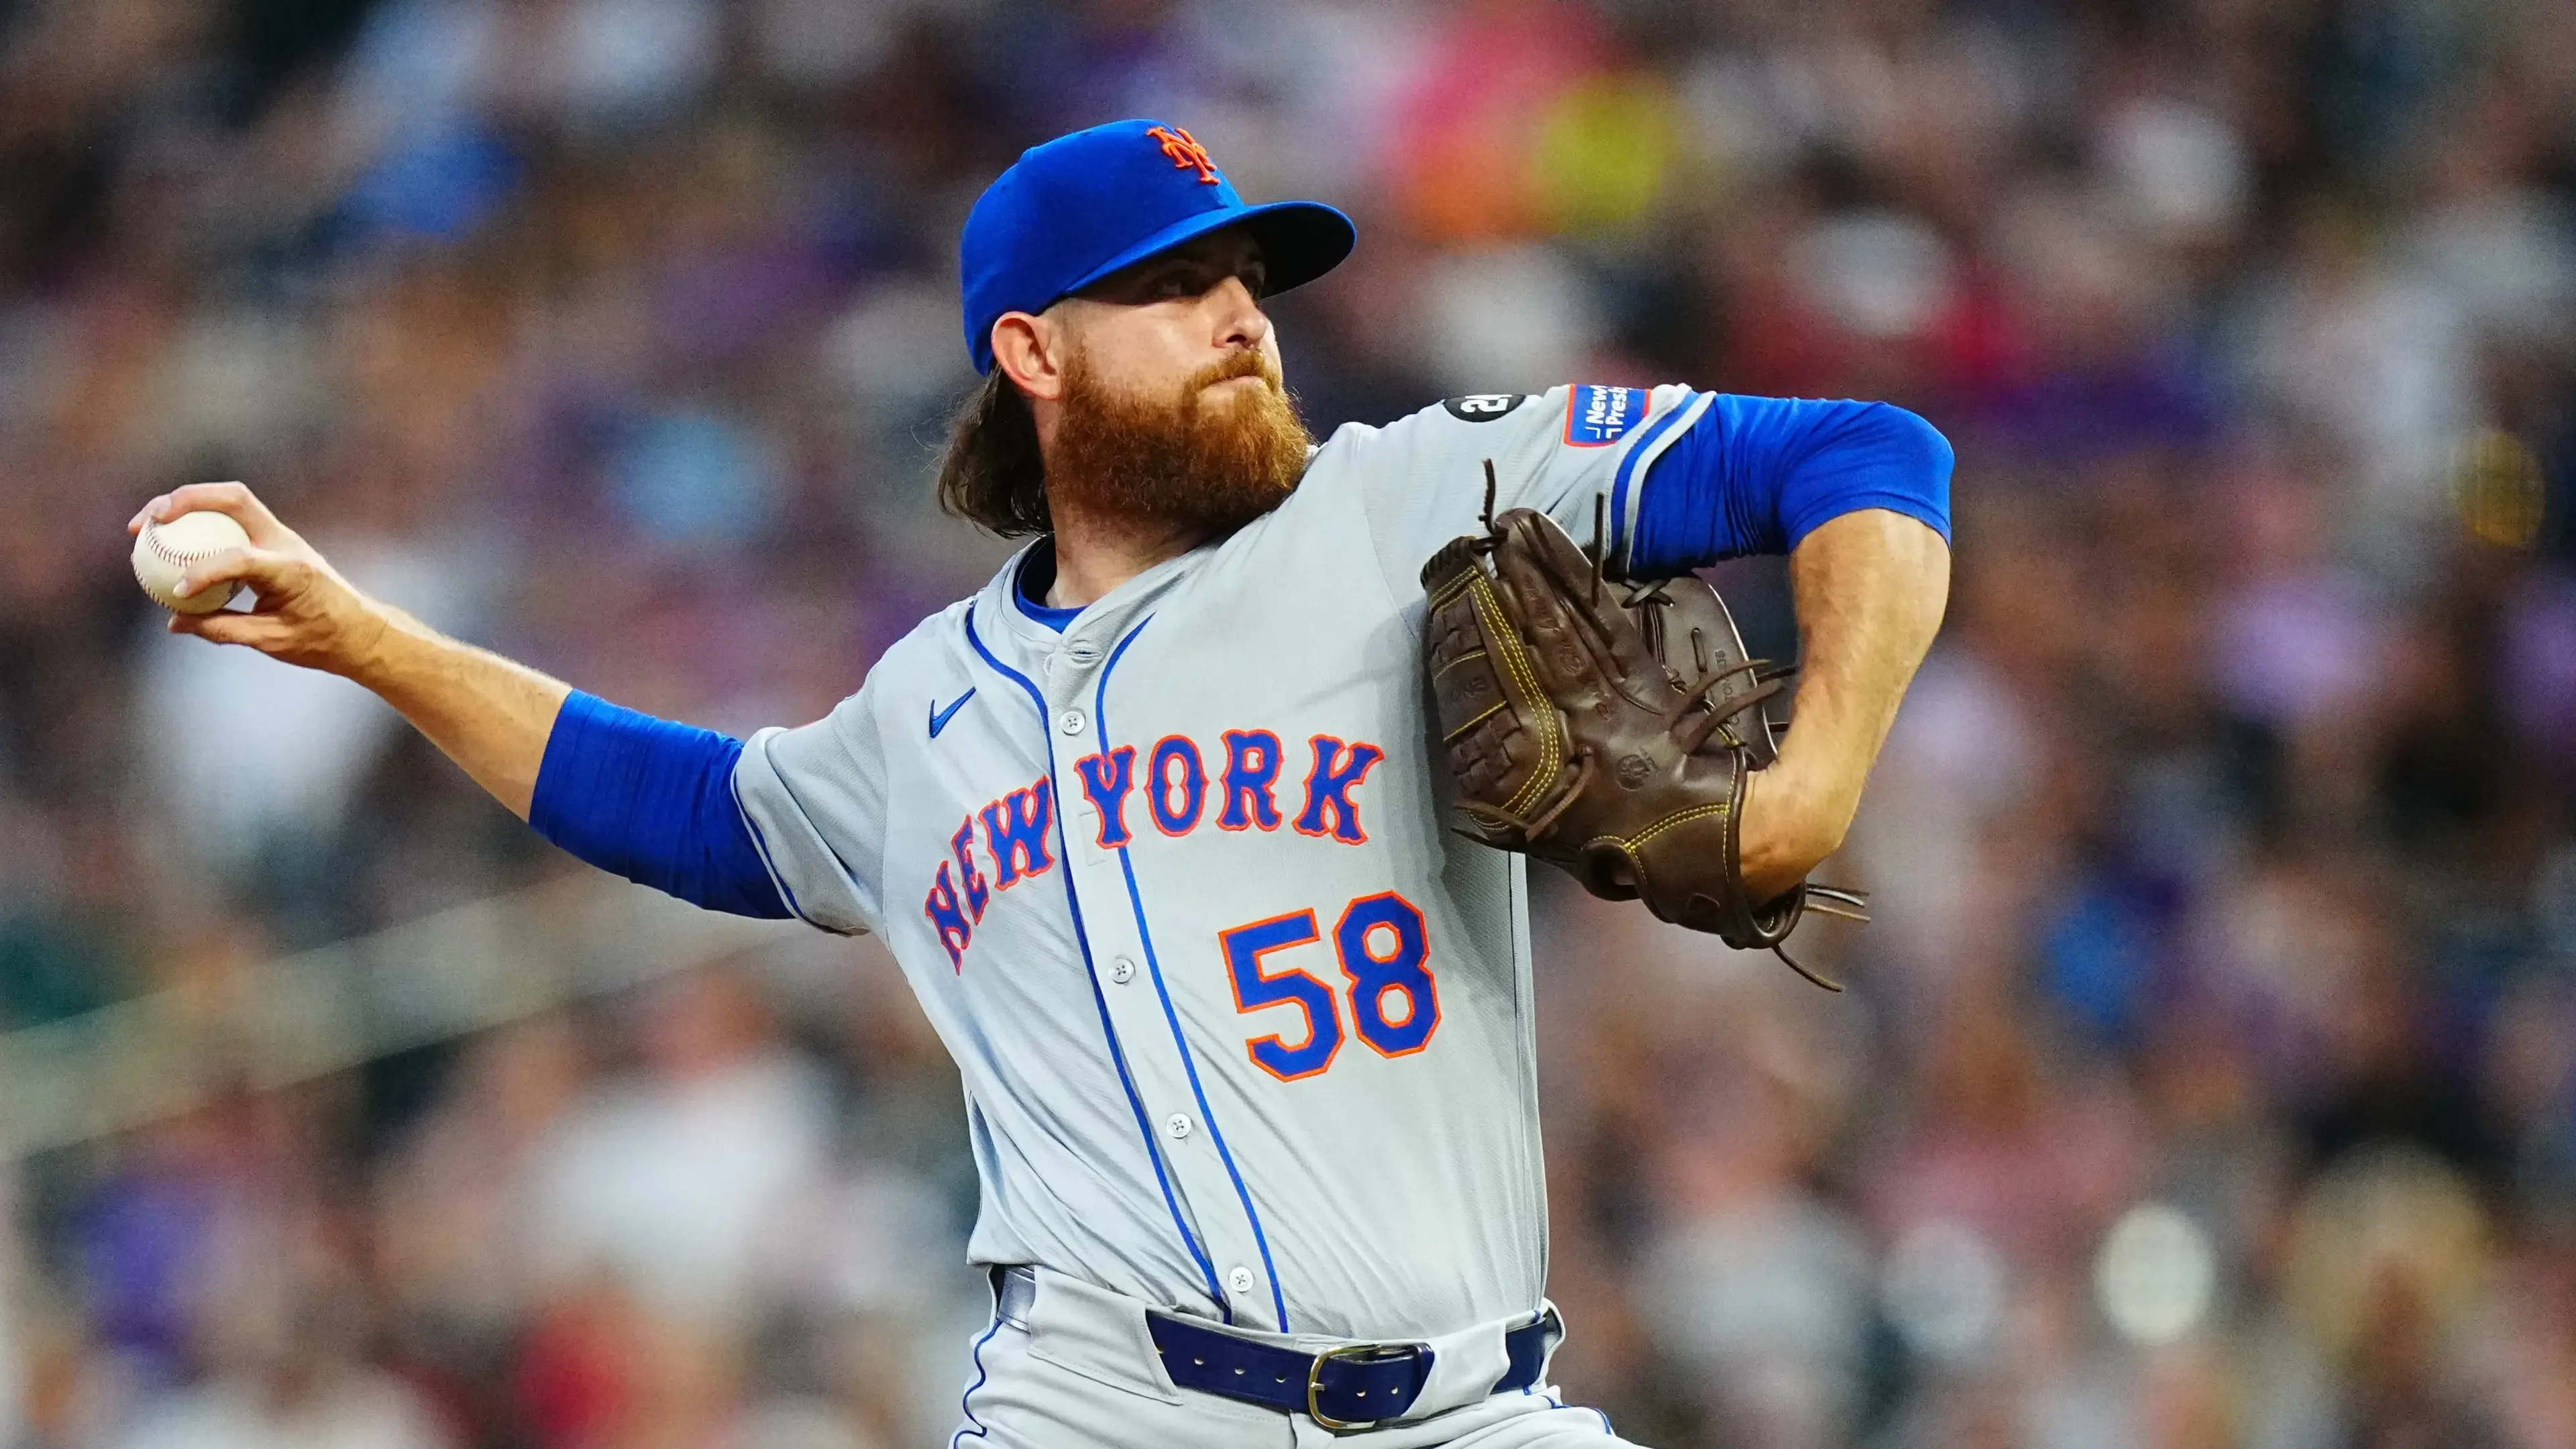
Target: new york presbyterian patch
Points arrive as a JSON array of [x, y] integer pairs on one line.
[[1598, 415]]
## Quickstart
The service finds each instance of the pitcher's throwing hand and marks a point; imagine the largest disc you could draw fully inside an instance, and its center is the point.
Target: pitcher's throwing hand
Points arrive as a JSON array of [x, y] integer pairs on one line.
[[305, 612]]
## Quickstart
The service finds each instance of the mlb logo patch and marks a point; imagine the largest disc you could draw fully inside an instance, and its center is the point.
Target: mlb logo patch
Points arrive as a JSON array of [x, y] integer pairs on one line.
[[1599, 415]]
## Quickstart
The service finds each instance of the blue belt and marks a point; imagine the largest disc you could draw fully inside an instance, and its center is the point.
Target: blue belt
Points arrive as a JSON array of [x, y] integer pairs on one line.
[[1352, 1387]]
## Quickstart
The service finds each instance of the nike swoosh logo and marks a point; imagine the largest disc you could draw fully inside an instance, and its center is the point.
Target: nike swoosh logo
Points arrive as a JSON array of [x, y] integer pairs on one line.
[[939, 718]]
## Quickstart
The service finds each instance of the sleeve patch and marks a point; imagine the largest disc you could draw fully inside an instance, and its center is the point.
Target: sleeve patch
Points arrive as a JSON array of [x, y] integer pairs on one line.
[[1482, 407], [1597, 415]]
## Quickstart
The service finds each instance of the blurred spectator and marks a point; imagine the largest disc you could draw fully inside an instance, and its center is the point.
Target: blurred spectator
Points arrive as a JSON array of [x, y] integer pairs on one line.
[[668, 1182]]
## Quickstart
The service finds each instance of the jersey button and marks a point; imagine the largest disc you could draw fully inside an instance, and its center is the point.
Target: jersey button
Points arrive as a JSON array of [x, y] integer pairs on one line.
[[1070, 721], [1240, 1280], [1122, 970], [1177, 1125]]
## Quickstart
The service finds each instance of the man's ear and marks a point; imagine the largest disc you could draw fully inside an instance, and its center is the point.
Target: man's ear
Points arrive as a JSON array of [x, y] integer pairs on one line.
[[1032, 351]]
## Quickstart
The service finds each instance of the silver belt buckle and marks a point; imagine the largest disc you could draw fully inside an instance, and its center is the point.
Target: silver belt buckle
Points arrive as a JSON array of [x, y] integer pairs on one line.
[[1018, 1294], [1354, 1353]]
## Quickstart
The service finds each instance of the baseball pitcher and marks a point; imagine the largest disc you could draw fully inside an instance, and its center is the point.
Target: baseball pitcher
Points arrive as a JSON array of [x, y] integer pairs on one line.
[[1184, 826]]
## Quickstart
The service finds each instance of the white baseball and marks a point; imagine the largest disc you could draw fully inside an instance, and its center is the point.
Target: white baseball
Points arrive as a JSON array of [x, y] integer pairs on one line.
[[163, 551]]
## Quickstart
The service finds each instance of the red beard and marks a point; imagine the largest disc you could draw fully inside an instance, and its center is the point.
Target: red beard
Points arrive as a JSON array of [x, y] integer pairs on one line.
[[1207, 466]]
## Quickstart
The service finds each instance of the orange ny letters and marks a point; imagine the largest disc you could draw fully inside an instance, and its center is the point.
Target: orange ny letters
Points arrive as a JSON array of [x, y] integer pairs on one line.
[[1185, 150]]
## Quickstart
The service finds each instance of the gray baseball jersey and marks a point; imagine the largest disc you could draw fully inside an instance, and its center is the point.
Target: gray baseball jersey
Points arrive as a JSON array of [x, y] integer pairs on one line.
[[1243, 1029]]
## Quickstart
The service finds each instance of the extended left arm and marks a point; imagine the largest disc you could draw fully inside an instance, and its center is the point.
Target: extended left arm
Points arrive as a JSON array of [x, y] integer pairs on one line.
[[1871, 586]]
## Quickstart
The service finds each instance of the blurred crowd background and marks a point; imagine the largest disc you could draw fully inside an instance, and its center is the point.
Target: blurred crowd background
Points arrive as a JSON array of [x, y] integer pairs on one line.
[[2208, 1078]]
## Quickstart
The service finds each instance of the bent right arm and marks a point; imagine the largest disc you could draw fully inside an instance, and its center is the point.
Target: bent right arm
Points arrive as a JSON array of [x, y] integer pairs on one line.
[[639, 797], [490, 715]]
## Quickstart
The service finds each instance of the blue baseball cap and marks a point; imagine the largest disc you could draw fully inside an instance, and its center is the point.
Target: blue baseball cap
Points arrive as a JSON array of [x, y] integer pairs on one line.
[[1072, 211]]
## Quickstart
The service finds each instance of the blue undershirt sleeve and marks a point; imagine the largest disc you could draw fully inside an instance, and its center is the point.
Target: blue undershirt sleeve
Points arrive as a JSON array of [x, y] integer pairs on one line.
[[1756, 475], [651, 800]]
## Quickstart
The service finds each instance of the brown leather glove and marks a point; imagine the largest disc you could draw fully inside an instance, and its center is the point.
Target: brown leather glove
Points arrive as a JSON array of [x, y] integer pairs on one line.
[[1606, 728]]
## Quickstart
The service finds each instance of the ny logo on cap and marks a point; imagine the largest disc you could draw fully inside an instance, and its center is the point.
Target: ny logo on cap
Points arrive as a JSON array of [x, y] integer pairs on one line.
[[1185, 151]]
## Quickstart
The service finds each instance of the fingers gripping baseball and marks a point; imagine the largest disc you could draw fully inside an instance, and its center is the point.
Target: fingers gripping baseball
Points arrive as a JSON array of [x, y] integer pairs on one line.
[[303, 612], [230, 499]]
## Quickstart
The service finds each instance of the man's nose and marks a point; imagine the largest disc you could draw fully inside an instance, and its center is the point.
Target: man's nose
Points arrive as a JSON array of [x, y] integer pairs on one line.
[[1239, 318]]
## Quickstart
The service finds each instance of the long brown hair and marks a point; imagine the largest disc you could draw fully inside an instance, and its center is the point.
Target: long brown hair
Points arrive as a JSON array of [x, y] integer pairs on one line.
[[991, 473]]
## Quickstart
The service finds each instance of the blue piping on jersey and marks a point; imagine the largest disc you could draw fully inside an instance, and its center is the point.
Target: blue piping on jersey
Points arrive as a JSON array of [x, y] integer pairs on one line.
[[1554, 1402], [1627, 465], [1126, 865], [1039, 610], [760, 843], [966, 1405], [1082, 939]]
